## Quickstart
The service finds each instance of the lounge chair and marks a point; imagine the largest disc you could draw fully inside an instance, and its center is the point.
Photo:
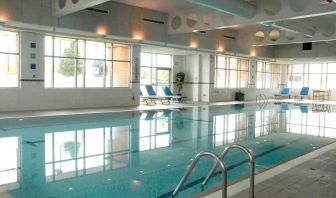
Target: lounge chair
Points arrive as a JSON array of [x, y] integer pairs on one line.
[[168, 93], [148, 99], [304, 93], [151, 93], [283, 94]]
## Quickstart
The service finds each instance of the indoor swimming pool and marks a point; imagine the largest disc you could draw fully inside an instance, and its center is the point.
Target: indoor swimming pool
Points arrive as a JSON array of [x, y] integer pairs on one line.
[[145, 153]]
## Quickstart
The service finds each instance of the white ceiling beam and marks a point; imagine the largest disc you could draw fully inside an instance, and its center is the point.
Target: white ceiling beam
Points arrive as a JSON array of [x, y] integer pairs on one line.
[[283, 10], [65, 7]]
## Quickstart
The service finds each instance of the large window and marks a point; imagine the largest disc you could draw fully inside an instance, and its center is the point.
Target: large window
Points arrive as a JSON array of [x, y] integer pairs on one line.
[[268, 75], [156, 70], [9, 59], [81, 152], [73, 63], [315, 76], [231, 72]]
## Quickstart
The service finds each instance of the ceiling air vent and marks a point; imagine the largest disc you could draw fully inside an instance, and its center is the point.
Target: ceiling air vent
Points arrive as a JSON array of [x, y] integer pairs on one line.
[[97, 10], [154, 21], [229, 37]]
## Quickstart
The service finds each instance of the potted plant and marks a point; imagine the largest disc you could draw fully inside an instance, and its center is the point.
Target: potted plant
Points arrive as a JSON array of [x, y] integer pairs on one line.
[[239, 96], [179, 82]]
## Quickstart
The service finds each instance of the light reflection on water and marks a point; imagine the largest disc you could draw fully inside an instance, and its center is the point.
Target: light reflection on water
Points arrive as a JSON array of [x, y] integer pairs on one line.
[[85, 151]]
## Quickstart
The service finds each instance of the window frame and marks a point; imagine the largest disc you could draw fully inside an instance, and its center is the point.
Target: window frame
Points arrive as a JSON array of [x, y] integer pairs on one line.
[[227, 71], [263, 73], [84, 58], [18, 53]]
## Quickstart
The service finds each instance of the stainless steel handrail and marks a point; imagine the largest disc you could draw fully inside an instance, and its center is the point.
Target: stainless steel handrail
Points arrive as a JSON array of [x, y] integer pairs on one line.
[[222, 156], [192, 165]]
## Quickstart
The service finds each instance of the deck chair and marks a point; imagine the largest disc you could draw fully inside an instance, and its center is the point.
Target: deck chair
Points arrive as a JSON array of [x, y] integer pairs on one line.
[[304, 93], [148, 99], [151, 93], [283, 94], [168, 93]]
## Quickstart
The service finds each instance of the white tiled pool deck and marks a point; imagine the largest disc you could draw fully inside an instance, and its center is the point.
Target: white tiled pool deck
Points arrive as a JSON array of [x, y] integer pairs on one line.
[[142, 107]]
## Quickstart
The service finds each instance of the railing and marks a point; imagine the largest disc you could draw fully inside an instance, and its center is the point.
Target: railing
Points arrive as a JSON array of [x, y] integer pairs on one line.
[[261, 98], [222, 156], [192, 165]]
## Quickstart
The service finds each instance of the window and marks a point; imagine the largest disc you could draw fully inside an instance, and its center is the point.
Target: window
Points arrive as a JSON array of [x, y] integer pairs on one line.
[[315, 76], [9, 59], [229, 128], [74, 153], [231, 72], [73, 63], [156, 70], [268, 75]]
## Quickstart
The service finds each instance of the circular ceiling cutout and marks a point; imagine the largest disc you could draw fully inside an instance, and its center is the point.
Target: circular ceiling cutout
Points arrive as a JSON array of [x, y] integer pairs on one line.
[[271, 7], [75, 1], [208, 20], [259, 36], [61, 3], [176, 22], [290, 35], [298, 5], [274, 35], [191, 20]]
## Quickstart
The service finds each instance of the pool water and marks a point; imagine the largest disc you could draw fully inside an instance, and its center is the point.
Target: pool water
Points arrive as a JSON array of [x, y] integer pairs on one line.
[[144, 154]]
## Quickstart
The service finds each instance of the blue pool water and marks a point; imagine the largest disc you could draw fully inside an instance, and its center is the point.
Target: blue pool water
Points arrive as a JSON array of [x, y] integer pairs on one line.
[[144, 154]]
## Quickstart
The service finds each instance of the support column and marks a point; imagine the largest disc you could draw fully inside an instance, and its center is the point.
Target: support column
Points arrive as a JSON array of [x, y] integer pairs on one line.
[[135, 77]]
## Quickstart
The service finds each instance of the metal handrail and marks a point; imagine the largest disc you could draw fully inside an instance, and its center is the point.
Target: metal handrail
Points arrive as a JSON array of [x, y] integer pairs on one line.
[[192, 165], [222, 156]]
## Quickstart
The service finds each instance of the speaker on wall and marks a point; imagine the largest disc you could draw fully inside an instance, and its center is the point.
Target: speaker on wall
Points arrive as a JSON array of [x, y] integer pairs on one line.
[[307, 46]]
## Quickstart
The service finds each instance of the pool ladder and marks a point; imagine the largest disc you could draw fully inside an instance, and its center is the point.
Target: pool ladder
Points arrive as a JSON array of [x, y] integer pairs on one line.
[[219, 161], [261, 98]]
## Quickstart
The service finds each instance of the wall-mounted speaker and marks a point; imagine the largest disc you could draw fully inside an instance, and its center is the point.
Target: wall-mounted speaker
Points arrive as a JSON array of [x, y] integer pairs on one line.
[[307, 46]]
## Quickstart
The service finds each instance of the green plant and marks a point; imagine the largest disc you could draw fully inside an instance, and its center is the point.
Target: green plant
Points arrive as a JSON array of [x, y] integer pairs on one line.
[[179, 81], [67, 66]]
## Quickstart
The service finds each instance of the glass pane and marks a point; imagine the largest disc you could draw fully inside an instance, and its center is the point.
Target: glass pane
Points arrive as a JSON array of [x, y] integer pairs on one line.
[[315, 68], [295, 80], [268, 68], [315, 81], [48, 46], [9, 42], [108, 77], [331, 81], [244, 79], [221, 62], [64, 47], [9, 148], [146, 59], [121, 52], [108, 51], [164, 61], [94, 73], [260, 66], [297, 68], [48, 72], [121, 74], [244, 64], [64, 72], [233, 63], [233, 79], [95, 50], [81, 49], [163, 77], [145, 76], [332, 68], [220, 78], [9, 70], [260, 78], [80, 73]]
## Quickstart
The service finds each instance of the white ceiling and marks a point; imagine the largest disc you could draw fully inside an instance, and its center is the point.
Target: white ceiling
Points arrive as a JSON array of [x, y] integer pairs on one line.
[[167, 6]]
